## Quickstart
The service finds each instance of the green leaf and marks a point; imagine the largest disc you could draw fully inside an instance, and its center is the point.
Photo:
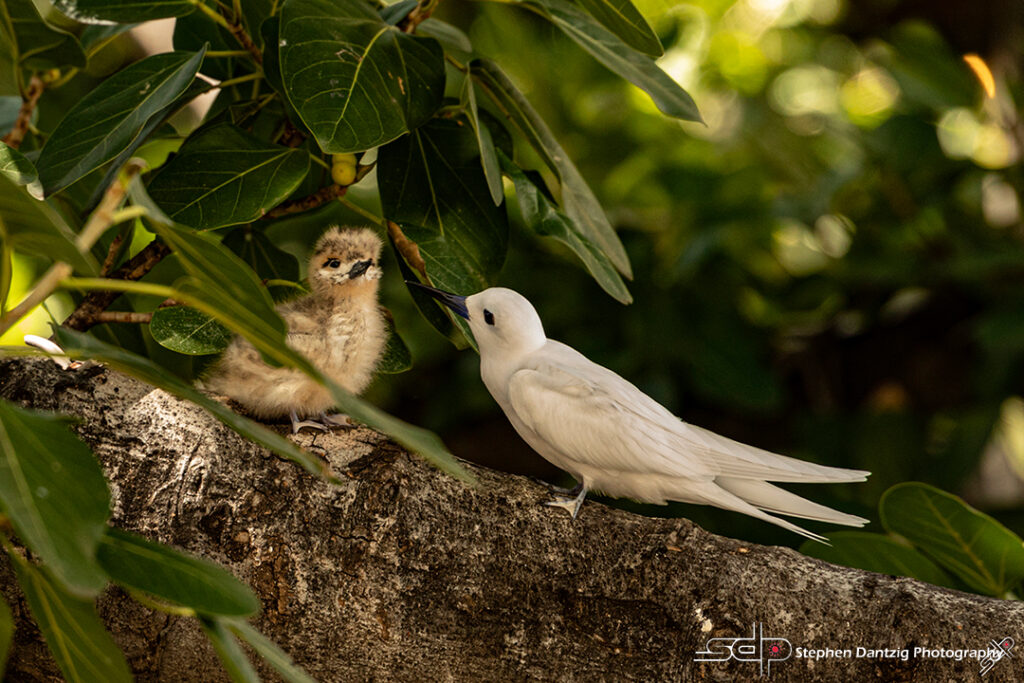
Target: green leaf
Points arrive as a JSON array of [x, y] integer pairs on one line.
[[33, 227], [454, 40], [108, 119], [172, 575], [541, 216], [225, 176], [396, 358], [16, 167], [488, 158], [6, 632], [432, 184], [193, 31], [82, 345], [877, 553], [79, 643], [607, 48], [188, 331], [38, 45], [271, 653], [624, 20], [123, 11], [356, 81], [54, 493], [987, 556], [262, 255], [231, 655], [577, 200]]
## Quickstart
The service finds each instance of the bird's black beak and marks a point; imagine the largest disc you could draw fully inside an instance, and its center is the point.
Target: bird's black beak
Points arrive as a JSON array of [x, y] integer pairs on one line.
[[359, 268], [453, 301]]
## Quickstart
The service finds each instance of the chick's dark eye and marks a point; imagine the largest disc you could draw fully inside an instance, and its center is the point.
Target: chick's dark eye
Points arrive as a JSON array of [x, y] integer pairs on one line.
[[332, 263], [488, 317]]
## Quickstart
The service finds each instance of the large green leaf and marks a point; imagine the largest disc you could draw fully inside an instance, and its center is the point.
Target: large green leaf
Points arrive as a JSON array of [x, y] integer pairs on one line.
[[16, 167], [79, 643], [54, 493], [81, 345], [231, 655], [433, 185], [6, 632], [396, 357], [188, 331], [877, 553], [987, 556], [624, 20], [576, 198], [167, 573], [37, 45], [608, 48], [356, 81], [541, 216], [107, 120], [123, 11], [262, 255], [271, 653], [225, 176], [33, 227]]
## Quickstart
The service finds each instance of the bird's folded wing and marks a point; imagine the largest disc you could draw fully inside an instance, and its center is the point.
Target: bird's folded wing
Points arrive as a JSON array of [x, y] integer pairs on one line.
[[587, 424], [565, 397]]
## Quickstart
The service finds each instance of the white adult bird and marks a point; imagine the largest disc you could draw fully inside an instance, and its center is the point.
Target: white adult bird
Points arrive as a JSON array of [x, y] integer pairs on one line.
[[612, 437]]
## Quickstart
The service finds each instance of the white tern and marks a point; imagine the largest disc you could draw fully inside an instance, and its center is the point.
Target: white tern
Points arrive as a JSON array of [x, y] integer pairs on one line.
[[615, 439]]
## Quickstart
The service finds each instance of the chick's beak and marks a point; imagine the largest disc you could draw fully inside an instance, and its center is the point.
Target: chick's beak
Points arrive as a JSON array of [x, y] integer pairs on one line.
[[453, 301], [358, 269]]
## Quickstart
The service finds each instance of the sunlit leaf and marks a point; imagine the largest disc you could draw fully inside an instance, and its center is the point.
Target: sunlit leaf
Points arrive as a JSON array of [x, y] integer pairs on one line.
[[541, 216], [54, 492], [986, 555], [109, 118], [188, 331], [172, 575], [225, 176], [576, 198], [356, 81], [877, 553], [488, 158], [624, 20], [271, 653], [79, 643], [231, 654], [123, 11], [607, 48]]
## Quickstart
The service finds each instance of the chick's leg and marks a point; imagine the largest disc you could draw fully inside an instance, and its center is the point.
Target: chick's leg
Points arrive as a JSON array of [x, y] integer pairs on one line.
[[298, 424], [572, 502]]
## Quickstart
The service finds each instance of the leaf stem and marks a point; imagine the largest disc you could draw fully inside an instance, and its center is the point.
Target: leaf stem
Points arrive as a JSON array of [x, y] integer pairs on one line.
[[241, 79], [355, 208], [149, 602], [227, 53]]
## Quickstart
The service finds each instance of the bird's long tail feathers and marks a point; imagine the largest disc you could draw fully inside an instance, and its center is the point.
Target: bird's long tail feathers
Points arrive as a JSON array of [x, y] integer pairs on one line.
[[748, 498], [771, 498]]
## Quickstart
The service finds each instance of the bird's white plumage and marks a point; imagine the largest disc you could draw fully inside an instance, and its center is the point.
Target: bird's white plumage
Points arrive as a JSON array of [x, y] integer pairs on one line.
[[613, 438]]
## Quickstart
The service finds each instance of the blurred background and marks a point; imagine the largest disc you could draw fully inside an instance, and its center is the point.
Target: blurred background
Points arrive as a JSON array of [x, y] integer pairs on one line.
[[831, 268]]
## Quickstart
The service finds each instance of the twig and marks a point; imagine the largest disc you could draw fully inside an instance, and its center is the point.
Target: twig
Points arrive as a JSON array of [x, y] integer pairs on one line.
[[112, 253], [318, 198], [94, 303], [235, 28], [409, 250], [123, 317], [100, 220], [28, 105]]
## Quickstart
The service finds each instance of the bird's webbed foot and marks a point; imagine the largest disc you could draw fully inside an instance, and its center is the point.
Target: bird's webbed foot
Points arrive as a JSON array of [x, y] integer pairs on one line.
[[323, 422], [572, 502], [336, 420]]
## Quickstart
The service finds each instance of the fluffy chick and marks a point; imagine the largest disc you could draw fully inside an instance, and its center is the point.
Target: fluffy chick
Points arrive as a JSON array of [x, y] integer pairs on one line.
[[339, 327]]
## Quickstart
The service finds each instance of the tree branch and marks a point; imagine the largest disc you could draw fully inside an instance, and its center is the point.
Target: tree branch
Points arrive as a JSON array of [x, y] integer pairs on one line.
[[405, 574], [28, 105], [318, 198]]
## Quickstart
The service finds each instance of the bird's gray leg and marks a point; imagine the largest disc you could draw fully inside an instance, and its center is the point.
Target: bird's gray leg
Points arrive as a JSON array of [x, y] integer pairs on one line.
[[571, 503], [299, 424]]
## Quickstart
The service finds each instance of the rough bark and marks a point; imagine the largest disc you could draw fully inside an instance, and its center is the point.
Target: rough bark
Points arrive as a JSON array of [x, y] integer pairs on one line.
[[402, 573]]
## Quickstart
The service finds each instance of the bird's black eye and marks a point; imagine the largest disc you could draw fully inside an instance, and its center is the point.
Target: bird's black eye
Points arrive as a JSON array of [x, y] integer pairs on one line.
[[332, 263], [488, 317]]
